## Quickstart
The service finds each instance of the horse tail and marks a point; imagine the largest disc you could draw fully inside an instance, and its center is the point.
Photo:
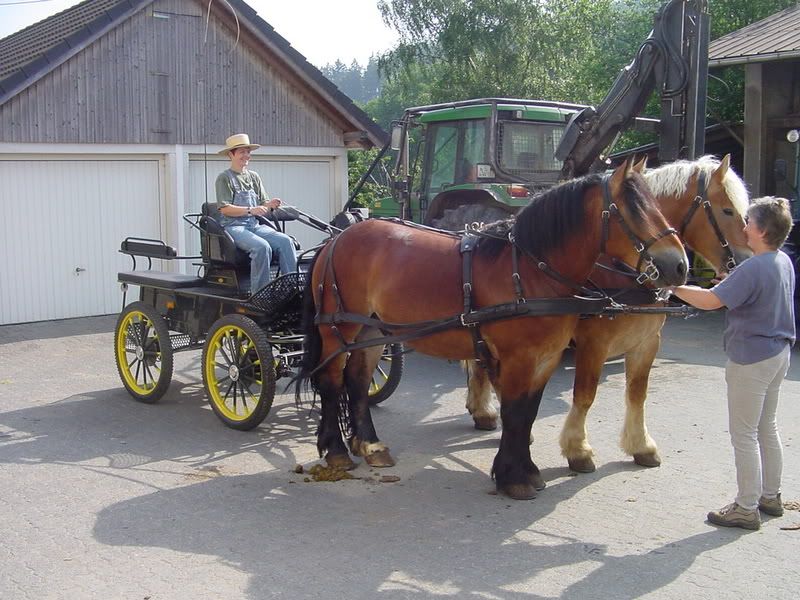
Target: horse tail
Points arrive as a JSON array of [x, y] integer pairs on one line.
[[312, 341]]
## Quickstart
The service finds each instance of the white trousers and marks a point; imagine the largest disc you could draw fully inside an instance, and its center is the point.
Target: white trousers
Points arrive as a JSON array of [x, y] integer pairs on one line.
[[753, 392]]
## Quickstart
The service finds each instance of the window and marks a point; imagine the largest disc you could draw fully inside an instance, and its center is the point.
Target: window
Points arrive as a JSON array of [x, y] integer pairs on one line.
[[528, 149]]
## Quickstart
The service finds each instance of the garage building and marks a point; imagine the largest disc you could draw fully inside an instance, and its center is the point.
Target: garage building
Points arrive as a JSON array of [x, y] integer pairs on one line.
[[111, 116]]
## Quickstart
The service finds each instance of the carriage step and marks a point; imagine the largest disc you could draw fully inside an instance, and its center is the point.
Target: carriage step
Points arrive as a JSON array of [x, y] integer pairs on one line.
[[182, 341]]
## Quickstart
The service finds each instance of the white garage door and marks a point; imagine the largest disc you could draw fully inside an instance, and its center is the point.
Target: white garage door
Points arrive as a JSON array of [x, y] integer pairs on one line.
[[306, 183], [61, 227]]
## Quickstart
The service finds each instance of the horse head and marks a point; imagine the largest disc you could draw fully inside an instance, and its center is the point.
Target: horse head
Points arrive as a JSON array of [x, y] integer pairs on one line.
[[636, 232], [705, 200]]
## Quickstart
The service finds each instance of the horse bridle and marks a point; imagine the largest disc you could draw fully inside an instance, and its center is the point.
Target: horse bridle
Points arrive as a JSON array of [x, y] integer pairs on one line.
[[701, 199], [650, 272]]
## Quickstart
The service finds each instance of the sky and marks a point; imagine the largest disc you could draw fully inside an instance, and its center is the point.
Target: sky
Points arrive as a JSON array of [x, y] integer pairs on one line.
[[322, 30]]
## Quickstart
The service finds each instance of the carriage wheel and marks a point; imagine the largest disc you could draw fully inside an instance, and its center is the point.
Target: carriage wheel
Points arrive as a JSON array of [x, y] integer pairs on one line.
[[143, 352], [239, 372], [387, 374]]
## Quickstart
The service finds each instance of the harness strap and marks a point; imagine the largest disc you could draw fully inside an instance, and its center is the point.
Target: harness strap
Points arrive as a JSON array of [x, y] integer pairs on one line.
[[466, 248], [701, 199], [641, 246], [515, 278], [532, 307]]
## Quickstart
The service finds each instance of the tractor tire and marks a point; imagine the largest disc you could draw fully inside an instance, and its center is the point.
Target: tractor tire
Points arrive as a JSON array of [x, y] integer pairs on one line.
[[455, 219]]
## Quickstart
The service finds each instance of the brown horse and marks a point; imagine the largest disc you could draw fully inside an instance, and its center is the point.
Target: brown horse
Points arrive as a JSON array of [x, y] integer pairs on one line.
[[705, 201], [382, 275]]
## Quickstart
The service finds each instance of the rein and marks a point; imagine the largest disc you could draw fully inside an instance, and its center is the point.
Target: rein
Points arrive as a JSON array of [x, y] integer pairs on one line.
[[701, 199]]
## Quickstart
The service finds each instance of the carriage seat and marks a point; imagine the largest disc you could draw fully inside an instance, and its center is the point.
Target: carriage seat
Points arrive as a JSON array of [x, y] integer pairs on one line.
[[217, 245]]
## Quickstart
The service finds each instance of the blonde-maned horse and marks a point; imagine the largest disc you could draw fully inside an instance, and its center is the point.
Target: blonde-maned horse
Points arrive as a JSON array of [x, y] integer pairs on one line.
[[705, 201]]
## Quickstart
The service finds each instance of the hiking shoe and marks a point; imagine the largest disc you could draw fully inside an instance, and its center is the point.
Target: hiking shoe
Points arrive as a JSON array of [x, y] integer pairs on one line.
[[771, 506], [734, 515]]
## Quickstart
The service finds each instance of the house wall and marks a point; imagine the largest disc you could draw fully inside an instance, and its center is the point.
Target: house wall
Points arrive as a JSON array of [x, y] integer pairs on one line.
[[158, 78]]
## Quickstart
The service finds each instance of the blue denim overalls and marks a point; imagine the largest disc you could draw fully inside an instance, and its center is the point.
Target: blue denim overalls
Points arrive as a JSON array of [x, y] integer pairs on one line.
[[258, 240]]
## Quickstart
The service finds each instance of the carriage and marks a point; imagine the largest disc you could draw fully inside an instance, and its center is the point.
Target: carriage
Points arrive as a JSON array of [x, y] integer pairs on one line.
[[248, 341]]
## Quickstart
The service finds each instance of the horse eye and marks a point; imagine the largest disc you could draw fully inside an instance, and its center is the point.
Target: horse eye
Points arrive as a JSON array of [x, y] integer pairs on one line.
[[728, 211]]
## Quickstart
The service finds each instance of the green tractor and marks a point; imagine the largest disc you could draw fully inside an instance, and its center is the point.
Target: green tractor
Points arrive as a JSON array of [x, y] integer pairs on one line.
[[476, 160], [480, 160]]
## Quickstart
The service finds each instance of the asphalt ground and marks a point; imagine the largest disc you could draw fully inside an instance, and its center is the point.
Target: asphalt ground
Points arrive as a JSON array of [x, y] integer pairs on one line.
[[104, 497]]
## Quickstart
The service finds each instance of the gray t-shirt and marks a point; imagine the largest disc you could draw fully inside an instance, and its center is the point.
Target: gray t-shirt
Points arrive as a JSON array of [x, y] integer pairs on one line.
[[759, 294]]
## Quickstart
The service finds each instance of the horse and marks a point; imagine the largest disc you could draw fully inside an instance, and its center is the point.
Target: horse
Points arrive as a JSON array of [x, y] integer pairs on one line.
[[705, 200], [380, 275]]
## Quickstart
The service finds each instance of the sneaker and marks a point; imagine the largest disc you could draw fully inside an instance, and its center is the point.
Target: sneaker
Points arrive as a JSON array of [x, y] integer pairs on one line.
[[734, 515], [771, 506]]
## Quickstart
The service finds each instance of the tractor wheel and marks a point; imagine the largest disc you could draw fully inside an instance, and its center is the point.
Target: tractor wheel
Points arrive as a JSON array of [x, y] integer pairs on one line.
[[143, 352], [454, 219], [238, 372], [387, 374]]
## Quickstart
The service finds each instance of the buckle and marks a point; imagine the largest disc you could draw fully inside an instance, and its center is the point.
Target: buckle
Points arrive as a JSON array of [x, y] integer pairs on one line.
[[464, 323]]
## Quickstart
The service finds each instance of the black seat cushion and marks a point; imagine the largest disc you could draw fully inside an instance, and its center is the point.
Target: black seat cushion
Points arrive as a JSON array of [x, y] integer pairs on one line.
[[217, 245]]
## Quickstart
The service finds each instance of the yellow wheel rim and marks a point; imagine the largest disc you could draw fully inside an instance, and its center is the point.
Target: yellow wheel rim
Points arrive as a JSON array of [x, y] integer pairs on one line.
[[233, 372], [139, 353]]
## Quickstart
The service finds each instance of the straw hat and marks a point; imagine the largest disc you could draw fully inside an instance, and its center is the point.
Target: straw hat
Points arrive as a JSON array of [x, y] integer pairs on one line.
[[238, 140]]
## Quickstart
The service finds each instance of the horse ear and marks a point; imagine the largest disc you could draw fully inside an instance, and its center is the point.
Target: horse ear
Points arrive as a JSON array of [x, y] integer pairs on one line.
[[640, 166], [622, 172], [723, 167]]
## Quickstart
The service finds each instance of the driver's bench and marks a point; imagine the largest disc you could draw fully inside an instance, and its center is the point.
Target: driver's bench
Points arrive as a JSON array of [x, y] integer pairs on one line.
[[227, 265]]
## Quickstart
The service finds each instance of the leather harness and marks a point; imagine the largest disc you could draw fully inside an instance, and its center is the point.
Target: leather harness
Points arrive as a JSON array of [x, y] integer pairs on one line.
[[591, 302]]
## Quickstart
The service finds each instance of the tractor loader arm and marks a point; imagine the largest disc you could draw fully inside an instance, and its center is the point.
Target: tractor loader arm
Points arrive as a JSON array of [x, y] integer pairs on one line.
[[674, 61]]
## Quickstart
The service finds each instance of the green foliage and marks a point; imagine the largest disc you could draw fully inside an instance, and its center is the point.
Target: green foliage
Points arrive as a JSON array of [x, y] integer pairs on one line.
[[361, 84], [377, 184]]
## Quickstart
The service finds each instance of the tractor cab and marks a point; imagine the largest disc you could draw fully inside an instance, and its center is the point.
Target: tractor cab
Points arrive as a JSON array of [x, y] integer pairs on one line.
[[495, 153]]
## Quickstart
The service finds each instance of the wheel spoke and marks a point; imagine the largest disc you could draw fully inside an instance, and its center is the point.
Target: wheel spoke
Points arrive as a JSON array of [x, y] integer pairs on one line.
[[148, 372], [227, 359], [229, 342]]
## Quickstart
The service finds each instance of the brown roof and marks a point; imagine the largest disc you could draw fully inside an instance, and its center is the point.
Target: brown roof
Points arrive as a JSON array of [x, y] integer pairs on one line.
[[28, 55], [774, 38], [51, 38]]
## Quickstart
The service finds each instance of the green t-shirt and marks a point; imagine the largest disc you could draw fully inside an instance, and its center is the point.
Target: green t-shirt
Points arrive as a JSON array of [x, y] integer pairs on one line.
[[248, 180]]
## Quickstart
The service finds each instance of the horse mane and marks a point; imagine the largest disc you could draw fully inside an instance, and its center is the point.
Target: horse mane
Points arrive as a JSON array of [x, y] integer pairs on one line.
[[673, 180], [553, 216]]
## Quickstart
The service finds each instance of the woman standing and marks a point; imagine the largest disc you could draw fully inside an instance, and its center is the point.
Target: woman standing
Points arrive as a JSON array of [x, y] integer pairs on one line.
[[759, 334]]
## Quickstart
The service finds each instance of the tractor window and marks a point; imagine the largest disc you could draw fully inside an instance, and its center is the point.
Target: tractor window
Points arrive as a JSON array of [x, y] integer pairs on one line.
[[442, 146], [472, 152], [452, 153], [527, 150]]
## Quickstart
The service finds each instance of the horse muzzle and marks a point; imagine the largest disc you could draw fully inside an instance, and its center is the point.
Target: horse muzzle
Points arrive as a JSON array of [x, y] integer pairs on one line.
[[667, 268]]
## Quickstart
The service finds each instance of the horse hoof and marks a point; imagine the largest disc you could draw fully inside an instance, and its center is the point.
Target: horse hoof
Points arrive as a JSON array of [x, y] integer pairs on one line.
[[382, 458], [647, 459], [538, 481], [519, 491], [581, 465], [485, 423], [340, 461]]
